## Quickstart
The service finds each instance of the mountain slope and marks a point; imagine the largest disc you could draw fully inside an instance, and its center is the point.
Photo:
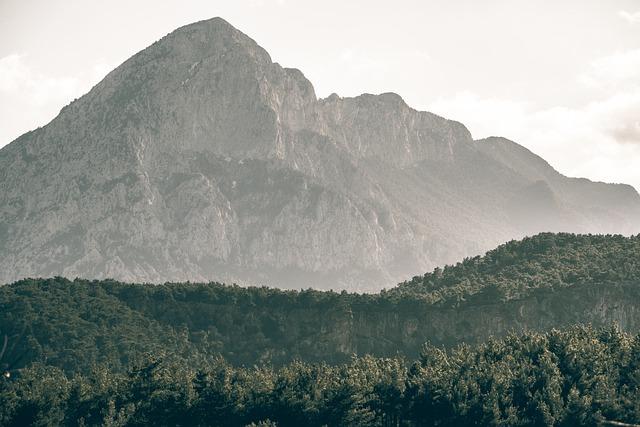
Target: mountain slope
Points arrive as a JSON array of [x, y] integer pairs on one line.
[[199, 158]]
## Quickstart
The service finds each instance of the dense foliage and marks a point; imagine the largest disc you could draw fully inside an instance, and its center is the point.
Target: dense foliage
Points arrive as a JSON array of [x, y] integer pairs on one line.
[[74, 325], [578, 376], [518, 268], [108, 353]]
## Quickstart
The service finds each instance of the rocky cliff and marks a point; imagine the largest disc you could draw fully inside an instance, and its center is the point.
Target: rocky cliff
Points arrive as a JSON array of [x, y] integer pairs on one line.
[[321, 332], [199, 158], [79, 324]]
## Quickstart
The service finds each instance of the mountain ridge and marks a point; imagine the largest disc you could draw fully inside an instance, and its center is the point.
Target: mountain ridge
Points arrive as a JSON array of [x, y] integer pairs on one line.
[[199, 158]]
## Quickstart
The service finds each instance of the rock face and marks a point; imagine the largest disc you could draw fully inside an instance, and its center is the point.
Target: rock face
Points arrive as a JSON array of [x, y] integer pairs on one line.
[[333, 335], [199, 158]]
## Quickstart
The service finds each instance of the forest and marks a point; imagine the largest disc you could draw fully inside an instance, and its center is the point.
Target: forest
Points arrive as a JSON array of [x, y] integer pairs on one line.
[[519, 268], [573, 377], [79, 352]]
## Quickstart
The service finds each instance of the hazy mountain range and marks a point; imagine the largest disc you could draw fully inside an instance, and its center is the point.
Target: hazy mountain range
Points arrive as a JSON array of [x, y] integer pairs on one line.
[[199, 158]]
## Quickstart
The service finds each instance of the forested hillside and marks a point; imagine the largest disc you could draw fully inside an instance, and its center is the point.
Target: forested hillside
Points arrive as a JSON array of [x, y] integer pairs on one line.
[[575, 377], [536, 284], [517, 269]]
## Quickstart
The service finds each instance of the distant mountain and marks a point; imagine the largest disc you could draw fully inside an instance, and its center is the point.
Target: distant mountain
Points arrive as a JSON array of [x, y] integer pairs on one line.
[[199, 158]]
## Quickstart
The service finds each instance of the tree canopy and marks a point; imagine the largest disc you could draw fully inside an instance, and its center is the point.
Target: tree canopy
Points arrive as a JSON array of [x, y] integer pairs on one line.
[[578, 376]]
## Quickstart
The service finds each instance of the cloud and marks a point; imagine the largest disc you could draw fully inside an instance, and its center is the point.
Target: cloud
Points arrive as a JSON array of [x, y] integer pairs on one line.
[[612, 71], [17, 78], [599, 140], [29, 99], [632, 18], [629, 132], [484, 116]]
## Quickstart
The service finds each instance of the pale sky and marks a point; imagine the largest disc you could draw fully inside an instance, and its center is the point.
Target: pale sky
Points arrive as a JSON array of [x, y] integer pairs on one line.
[[559, 77]]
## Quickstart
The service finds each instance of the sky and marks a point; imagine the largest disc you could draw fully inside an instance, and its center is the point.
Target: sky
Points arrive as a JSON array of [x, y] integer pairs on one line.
[[561, 78]]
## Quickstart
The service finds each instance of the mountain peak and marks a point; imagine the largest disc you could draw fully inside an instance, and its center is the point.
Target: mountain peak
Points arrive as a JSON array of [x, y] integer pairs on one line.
[[199, 158], [209, 27], [216, 22], [213, 34], [392, 97]]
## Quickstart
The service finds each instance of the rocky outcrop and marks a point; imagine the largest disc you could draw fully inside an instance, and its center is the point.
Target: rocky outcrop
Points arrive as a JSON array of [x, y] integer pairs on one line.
[[332, 328], [335, 335], [199, 158]]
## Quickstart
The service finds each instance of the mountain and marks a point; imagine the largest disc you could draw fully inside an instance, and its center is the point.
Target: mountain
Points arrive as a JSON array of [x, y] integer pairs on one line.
[[199, 158]]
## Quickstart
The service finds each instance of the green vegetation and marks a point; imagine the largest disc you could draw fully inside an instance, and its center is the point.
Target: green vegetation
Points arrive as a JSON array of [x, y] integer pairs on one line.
[[74, 325], [103, 352], [519, 268], [578, 376]]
